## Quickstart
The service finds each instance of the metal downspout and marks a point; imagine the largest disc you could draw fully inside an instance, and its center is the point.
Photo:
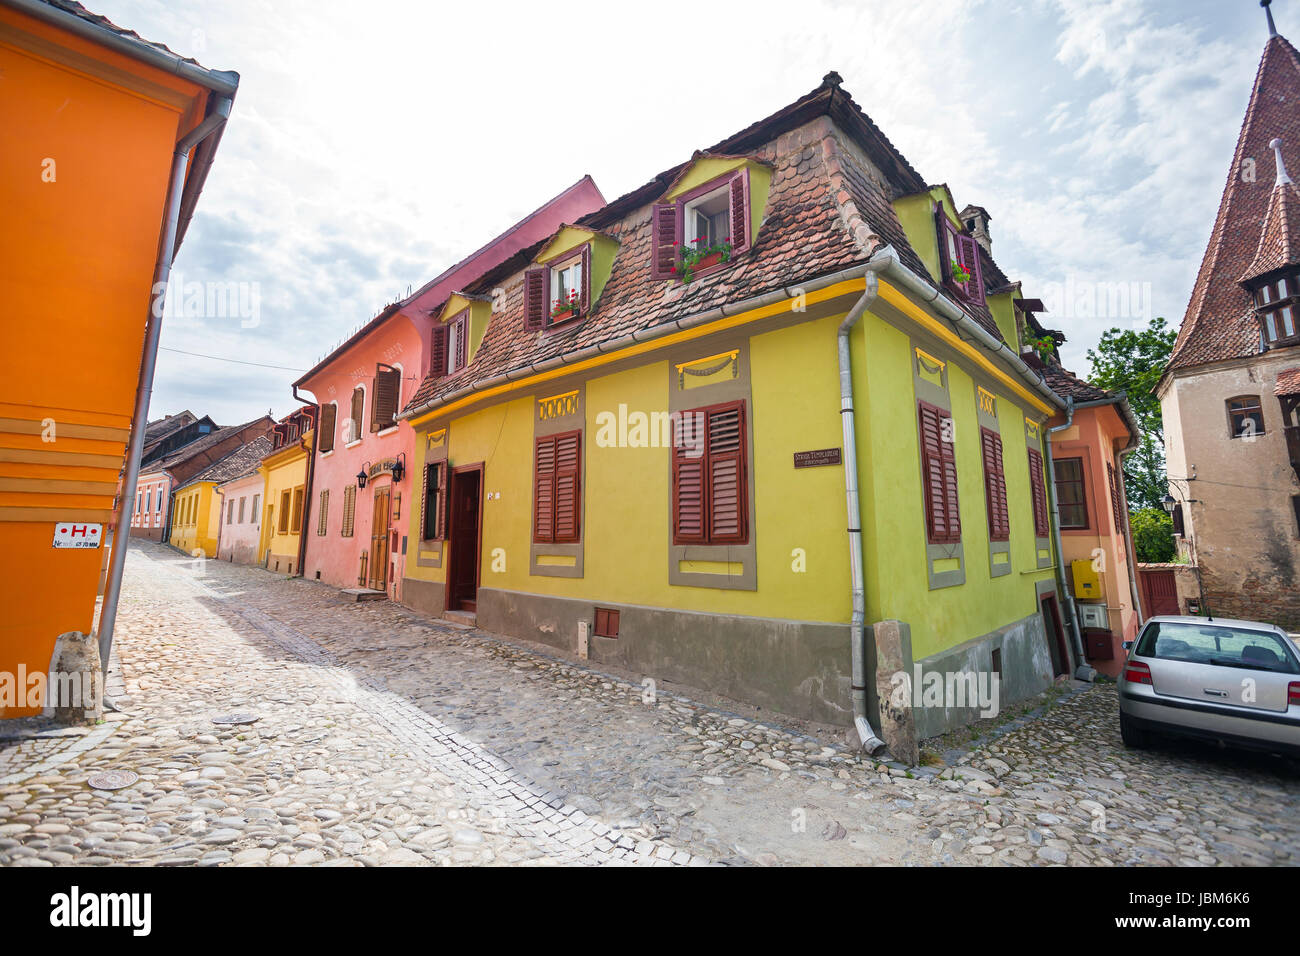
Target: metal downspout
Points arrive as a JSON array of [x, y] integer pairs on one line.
[[148, 362], [871, 741], [1083, 671], [1128, 541]]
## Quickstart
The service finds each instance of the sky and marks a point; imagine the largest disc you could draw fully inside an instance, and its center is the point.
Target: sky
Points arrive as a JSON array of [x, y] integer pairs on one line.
[[374, 144]]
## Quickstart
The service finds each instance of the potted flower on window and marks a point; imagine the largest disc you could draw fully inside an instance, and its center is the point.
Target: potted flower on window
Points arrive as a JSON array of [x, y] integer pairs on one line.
[[700, 255], [960, 274], [563, 308]]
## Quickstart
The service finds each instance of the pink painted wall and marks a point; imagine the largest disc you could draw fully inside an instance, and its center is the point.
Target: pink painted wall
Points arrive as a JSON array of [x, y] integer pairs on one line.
[[238, 539], [1096, 437], [150, 520], [401, 340]]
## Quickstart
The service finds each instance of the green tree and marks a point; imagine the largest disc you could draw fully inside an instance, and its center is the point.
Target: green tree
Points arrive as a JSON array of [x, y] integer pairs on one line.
[[1153, 535], [1133, 360]]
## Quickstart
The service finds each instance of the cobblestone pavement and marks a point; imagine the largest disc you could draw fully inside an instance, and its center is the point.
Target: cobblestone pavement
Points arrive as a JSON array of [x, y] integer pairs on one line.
[[386, 737]]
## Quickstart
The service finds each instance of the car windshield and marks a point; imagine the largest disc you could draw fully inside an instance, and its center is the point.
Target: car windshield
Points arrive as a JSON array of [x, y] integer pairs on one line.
[[1216, 644]]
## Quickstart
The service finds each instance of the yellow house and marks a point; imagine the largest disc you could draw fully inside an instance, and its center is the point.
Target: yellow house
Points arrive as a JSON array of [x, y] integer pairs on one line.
[[197, 516], [285, 496], [752, 428]]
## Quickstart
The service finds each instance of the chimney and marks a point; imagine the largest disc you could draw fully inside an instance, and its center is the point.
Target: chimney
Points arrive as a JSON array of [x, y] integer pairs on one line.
[[977, 220]]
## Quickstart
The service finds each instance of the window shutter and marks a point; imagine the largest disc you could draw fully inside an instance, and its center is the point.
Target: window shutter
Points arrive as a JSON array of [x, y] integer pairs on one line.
[[535, 293], [462, 341], [544, 490], [995, 485], [584, 303], [349, 510], [1039, 491], [689, 433], [939, 478], [568, 486], [666, 229], [383, 407], [943, 229], [328, 416], [1116, 508], [968, 250], [1178, 520], [740, 225], [438, 350], [727, 489], [358, 410], [322, 519]]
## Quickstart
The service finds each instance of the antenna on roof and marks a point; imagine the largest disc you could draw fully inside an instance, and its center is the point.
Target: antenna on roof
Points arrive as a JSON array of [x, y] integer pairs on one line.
[[1276, 145], [1272, 27]]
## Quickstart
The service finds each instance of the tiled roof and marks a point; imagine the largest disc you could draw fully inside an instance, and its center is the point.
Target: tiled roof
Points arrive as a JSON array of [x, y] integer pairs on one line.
[[1219, 323], [240, 462], [1279, 241], [163, 427], [1288, 382], [77, 10], [202, 445], [827, 210], [1068, 385]]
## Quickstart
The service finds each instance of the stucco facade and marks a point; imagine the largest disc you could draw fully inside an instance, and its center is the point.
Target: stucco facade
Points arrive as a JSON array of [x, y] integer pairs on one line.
[[152, 507], [1238, 493], [241, 531], [284, 472]]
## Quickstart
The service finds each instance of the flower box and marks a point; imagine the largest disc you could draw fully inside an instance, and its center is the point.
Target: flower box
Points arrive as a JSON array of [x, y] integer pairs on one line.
[[562, 316], [712, 259]]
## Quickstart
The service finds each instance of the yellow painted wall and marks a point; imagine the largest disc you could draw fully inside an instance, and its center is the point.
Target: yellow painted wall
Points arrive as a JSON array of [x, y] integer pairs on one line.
[[197, 519], [795, 406], [284, 470]]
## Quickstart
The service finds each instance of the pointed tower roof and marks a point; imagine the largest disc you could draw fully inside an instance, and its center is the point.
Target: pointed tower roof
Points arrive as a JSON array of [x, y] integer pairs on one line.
[[1219, 323], [1279, 240]]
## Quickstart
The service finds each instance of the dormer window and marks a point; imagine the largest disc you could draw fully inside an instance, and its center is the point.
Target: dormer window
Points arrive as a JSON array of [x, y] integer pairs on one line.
[[559, 292], [1276, 305], [959, 260], [566, 290], [449, 348], [703, 228]]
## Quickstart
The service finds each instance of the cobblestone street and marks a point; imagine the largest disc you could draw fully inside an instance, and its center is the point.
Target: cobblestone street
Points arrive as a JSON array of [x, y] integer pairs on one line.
[[387, 738]]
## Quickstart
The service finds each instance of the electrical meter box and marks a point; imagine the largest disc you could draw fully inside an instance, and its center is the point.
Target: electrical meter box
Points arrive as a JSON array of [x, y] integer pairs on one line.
[[1087, 582]]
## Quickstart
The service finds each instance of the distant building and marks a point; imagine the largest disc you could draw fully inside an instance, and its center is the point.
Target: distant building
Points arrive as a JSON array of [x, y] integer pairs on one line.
[[241, 487], [1231, 392]]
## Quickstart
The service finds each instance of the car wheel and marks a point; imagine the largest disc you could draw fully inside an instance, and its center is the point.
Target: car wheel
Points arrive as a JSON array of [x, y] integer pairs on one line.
[[1134, 738]]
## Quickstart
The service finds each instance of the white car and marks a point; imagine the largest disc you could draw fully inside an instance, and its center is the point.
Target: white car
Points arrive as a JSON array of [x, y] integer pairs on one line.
[[1230, 682]]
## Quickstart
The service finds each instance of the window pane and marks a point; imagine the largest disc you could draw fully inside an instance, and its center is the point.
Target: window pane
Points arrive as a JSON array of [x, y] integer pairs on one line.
[[1288, 321], [1070, 497], [1270, 326]]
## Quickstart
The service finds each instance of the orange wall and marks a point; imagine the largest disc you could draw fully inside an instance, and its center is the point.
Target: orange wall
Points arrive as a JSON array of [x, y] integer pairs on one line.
[[77, 259]]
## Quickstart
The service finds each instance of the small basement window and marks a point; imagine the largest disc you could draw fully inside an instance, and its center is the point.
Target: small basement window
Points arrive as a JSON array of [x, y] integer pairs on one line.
[[606, 622]]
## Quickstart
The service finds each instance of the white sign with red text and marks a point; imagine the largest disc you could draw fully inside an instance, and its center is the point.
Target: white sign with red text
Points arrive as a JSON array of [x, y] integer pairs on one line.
[[74, 534]]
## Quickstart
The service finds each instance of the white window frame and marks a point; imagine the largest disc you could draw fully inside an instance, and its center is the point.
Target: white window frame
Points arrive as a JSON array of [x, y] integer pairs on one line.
[[689, 212], [572, 265]]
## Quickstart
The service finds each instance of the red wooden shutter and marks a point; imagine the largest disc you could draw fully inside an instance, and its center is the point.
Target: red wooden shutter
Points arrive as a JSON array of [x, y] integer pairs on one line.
[[462, 341], [666, 229], [438, 350], [740, 225], [995, 485], [1116, 509], [938, 477], [535, 293], [726, 473], [968, 250], [943, 229], [568, 482], [328, 418], [544, 490], [383, 408], [585, 299], [689, 435], [1039, 491]]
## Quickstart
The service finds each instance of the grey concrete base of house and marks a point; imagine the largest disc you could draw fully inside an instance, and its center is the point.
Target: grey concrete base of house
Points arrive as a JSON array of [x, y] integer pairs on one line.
[[427, 597], [798, 668], [75, 691], [363, 594], [152, 534], [910, 707]]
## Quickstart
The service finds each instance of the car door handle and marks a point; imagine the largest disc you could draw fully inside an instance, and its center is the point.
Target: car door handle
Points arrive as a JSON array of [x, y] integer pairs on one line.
[[1215, 693]]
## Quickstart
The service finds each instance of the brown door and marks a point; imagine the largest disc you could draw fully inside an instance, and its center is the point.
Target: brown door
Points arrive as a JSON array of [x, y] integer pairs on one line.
[[1055, 635], [1159, 592], [379, 541], [466, 513]]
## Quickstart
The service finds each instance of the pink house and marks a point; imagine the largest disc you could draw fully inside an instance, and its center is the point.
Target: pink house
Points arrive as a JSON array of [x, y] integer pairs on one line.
[[359, 484]]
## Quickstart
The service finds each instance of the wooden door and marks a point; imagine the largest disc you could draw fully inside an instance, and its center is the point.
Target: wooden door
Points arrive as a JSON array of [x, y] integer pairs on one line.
[[466, 514], [1055, 635], [379, 541], [1159, 592]]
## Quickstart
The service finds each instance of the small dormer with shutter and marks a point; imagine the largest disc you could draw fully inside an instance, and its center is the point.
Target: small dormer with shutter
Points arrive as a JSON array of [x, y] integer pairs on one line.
[[709, 216], [941, 238], [566, 279], [457, 331]]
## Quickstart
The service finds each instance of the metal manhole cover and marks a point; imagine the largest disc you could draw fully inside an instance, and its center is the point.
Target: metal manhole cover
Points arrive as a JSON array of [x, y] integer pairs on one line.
[[231, 720], [113, 779]]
